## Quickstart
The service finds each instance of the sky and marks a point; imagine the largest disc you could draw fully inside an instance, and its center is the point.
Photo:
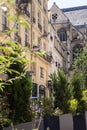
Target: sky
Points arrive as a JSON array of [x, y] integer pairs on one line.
[[67, 3]]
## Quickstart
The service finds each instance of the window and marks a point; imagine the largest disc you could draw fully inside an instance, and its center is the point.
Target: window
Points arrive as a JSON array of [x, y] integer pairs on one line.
[[26, 37], [44, 25], [54, 17], [17, 38], [41, 73], [16, 30], [4, 18], [44, 6], [39, 42], [41, 91], [34, 90], [39, 17], [16, 1], [26, 10], [39, 2], [62, 35], [39, 21]]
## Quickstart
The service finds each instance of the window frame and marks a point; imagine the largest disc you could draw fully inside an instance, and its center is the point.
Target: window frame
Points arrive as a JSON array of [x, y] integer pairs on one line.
[[62, 34]]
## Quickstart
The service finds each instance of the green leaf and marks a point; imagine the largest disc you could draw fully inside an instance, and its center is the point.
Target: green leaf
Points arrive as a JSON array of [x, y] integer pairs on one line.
[[2, 59], [0, 79], [10, 1], [1, 88], [12, 44], [11, 17], [24, 23], [4, 48]]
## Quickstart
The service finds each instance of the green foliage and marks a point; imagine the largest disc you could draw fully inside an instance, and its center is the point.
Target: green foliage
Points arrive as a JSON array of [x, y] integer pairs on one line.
[[61, 91], [57, 112], [78, 87], [4, 110], [80, 64], [20, 92], [13, 79], [84, 98], [48, 106], [73, 106]]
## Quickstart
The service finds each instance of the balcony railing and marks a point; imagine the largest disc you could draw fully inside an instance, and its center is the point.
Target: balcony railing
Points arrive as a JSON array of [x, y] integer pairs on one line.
[[48, 57], [17, 38], [36, 48], [27, 13], [21, 5]]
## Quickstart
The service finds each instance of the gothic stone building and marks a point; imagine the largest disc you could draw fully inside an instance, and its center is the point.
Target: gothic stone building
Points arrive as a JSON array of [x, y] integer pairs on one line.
[[71, 28]]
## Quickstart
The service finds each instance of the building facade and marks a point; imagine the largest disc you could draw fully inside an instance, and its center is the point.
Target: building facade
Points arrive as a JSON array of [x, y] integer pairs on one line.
[[62, 36], [70, 26], [53, 32], [35, 12]]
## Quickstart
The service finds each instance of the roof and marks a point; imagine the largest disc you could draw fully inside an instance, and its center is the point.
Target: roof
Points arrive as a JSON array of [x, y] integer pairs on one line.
[[74, 8], [76, 15]]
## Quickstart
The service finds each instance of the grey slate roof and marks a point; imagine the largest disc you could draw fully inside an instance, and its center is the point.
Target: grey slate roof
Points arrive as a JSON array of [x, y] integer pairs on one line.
[[74, 8], [76, 15]]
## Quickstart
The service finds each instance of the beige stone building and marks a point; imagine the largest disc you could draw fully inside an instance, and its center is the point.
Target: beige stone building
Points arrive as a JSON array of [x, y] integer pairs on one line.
[[70, 25], [52, 32], [62, 37], [78, 18], [35, 38]]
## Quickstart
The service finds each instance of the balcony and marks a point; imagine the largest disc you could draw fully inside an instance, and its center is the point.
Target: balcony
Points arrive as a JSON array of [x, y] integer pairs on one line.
[[21, 5], [17, 38], [27, 13], [48, 57], [19, 2], [36, 48], [40, 27]]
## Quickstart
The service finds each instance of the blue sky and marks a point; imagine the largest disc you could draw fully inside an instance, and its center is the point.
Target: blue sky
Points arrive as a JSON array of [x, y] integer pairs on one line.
[[67, 3]]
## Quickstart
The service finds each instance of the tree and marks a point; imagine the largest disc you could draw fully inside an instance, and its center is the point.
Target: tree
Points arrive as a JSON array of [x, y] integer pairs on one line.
[[78, 87], [61, 91], [18, 98], [80, 64], [15, 84]]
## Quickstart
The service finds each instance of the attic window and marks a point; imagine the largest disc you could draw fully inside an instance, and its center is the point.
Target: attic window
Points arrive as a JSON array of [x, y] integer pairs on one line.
[[54, 17]]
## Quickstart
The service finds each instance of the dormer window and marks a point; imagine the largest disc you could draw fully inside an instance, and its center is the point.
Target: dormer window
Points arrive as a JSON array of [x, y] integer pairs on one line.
[[62, 34]]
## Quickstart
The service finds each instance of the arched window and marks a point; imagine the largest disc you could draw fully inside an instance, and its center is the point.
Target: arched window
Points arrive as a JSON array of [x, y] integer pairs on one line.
[[62, 34]]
